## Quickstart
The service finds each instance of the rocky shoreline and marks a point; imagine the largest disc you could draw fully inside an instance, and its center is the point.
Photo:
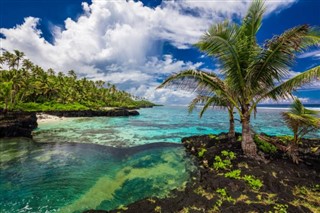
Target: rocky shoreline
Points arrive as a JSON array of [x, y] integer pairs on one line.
[[245, 185], [18, 124], [21, 124], [94, 113]]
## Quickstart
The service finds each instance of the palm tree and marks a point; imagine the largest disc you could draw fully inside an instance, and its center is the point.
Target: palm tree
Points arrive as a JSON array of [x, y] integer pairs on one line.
[[9, 59], [18, 56], [2, 60], [301, 121], [27, 64], [6, 93], [253, 72]]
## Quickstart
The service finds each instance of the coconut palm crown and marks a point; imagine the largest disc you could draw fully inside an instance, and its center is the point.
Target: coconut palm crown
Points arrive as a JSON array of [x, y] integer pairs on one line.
[[301, 120], [252, 72]]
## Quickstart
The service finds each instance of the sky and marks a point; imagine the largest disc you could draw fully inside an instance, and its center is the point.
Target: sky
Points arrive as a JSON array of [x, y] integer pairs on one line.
[[137, 44]]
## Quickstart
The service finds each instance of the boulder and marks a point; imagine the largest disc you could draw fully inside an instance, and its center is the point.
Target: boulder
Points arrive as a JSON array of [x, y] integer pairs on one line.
[[17, 124]]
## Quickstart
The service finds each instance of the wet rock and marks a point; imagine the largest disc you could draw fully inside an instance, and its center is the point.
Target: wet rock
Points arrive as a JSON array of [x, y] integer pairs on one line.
[[17, 124], [94, 113]]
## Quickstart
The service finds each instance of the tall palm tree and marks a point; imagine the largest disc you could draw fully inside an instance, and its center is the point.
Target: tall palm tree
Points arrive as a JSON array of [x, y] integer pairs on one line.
[[18, 56], [253, 72], [9, 59], [27, 64], [301, 121]]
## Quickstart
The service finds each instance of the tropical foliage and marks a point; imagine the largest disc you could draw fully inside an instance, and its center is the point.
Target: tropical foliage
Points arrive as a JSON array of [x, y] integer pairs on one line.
[[25, 86], [301, 121], [217, 100], [252, 72]]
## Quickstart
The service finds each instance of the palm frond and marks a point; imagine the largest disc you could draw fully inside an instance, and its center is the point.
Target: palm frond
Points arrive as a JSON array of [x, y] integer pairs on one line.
[[207, 101], [252, 21], [285, 89], [203, 80], [273, 62], [219, 42], [300, 120]]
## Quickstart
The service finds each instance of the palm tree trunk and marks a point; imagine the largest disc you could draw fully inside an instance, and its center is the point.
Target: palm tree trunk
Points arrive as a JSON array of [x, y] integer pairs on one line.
[[247, 144], [232, 132]]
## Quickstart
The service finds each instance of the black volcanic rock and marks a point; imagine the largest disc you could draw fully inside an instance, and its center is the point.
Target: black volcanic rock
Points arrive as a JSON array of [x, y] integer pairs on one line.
[[93, 113], [21, 124], [17, 124]]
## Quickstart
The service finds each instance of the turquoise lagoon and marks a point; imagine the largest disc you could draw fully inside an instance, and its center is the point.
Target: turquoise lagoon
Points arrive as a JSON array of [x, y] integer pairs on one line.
[[159, 124], [102, 163]]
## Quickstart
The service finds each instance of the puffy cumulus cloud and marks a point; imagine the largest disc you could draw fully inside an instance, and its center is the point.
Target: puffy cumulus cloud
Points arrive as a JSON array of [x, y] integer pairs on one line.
[[163, 96], [285, 100], [115, 40]]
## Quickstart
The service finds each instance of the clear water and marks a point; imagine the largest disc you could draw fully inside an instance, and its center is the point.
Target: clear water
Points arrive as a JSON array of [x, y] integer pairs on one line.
[[74, 177], [103, 163], [160, 124]]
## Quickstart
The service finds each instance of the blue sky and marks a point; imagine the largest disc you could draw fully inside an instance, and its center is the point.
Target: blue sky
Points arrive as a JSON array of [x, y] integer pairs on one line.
[[137, 44]]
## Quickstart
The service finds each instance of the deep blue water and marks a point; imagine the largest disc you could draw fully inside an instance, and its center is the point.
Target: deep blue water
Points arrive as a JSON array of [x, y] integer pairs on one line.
[[102, 163]]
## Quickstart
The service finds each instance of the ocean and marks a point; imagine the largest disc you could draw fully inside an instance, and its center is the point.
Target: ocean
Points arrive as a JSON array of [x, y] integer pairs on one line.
[[106, 162]]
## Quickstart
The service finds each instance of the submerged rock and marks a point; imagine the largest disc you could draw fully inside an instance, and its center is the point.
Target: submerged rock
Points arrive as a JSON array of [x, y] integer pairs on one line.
[[17, 124]]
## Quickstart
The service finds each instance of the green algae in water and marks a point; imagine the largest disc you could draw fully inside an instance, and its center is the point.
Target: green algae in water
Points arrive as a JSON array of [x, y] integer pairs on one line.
[[77, 177]]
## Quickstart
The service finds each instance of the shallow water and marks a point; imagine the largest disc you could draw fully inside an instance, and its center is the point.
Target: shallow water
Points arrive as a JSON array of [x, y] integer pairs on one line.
[[103, 163], [75, 177], [159, 124]]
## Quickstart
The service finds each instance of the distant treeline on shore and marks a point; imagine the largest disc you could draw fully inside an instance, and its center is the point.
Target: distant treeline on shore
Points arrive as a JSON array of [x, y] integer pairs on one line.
[[28, 87]]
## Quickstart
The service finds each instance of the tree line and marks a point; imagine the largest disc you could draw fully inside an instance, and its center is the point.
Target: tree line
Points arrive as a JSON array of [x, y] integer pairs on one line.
[[26, 86]]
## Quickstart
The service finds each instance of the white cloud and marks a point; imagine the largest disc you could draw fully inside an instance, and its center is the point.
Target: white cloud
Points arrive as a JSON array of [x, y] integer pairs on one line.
[[314, 53], [285, 100], [115, 40], [163, 96]]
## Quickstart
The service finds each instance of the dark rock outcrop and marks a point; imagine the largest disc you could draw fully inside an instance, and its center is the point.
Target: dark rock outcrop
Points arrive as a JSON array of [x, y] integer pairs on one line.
[[21, 124], [92, 113], [17, 124]]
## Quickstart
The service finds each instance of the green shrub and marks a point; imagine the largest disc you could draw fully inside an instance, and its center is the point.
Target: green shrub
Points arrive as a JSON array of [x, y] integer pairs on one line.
[[201, 152], [265, 146], [225, 163], [285, 139], [280, 208], [253, 182], [224, 195], [229, 155], [212, 136], [235, 174]]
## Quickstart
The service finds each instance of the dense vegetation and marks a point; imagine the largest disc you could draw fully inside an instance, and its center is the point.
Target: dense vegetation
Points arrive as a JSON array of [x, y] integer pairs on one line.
[[28, 87], [250, 72]]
